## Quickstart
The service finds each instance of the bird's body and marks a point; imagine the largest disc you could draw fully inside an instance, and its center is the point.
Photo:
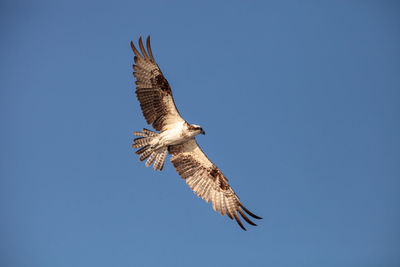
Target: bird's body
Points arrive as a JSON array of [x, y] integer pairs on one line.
[[177, 137], [179, 133]]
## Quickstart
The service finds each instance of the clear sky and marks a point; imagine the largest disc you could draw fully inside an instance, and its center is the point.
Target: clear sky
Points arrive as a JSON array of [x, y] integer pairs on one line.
[[300, 101]]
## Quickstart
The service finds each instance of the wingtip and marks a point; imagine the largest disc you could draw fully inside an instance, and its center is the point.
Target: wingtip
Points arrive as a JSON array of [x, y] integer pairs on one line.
[[135, 51], [249, 212], [142, 48], [239, 222], [149, 48], [245, 217]]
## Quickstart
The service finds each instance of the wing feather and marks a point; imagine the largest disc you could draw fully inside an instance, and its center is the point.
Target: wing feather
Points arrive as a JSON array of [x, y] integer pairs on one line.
[[142, 48], [153, 90], [149, 49], [207, 181]]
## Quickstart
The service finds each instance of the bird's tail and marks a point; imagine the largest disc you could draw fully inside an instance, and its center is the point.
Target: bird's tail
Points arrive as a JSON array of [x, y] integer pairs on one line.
[[149, 149]]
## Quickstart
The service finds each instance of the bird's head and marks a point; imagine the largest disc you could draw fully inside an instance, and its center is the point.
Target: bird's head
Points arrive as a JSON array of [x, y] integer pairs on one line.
[[196, 129]]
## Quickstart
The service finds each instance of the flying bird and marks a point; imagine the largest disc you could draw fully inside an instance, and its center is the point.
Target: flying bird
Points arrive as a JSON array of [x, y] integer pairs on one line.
[[177, 137]]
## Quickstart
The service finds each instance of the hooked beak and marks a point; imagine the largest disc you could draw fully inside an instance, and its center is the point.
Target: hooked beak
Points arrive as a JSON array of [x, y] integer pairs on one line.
[[203, 132]]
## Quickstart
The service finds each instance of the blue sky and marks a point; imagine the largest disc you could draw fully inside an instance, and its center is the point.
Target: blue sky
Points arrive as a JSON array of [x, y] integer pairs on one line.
[[299, 99]]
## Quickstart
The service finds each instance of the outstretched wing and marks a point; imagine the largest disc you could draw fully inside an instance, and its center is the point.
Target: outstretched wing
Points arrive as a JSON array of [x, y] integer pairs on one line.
[[207, 181], [153, 90]]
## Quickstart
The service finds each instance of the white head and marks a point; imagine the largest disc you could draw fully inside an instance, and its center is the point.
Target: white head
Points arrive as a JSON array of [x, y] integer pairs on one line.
[[196, 129]]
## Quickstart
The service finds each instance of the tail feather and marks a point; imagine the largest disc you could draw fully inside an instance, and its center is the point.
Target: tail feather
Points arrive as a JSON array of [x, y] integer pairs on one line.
[[149, 133], [151, 159], [141, 141], [160, 159], [148, 150], [142, 150], [145, 133], [145, 153]]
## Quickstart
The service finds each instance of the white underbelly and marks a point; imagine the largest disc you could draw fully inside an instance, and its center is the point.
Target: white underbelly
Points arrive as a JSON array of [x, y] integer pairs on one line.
[[173, 136]]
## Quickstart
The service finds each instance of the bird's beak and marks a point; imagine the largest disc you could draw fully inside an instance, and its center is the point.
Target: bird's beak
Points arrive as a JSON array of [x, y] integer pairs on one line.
[[203, 132]]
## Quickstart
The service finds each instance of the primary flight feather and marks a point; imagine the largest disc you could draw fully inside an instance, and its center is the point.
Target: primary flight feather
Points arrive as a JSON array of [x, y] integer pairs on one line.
[[177, 137]]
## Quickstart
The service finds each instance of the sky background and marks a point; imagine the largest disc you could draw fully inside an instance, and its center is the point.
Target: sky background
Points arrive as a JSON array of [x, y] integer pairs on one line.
[[300, 101]]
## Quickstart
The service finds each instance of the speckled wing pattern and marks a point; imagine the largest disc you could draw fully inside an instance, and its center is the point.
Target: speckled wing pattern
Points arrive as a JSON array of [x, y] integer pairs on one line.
[[153, 90], [207, 181]]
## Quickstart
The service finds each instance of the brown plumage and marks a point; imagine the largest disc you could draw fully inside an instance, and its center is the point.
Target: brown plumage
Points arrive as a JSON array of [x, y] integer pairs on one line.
[[158, 107], [207, 181], [153, 90]]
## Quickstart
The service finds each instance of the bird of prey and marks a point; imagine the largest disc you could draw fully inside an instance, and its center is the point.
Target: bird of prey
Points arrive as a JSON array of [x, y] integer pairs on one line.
[[177, 137]]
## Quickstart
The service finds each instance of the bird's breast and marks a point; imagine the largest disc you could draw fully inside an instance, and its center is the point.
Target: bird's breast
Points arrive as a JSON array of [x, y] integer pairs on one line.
[[174, 136]]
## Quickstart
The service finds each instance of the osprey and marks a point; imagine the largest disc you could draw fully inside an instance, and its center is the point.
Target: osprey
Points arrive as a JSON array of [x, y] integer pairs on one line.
[[177, 137]]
